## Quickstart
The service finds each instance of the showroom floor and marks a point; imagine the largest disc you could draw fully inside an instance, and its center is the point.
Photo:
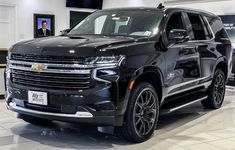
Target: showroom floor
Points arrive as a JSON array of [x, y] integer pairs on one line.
[[187, 129]]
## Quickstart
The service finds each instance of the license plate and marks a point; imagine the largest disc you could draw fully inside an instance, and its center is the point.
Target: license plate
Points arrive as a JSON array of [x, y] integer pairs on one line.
[[38, 98]]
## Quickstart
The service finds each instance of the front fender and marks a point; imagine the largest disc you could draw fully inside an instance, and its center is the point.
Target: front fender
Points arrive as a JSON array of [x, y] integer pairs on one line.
[[139, 72]]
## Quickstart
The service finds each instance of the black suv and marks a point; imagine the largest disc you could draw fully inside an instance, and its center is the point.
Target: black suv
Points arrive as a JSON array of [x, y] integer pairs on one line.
[[121, 68]]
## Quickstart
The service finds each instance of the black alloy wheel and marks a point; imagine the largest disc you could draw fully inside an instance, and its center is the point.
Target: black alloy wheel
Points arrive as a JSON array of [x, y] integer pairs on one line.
[[142, 113], [145, 112], [219, 89], [216, 92]]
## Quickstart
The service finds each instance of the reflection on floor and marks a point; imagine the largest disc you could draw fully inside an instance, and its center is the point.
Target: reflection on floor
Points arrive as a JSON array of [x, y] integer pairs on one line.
[[189, 128]]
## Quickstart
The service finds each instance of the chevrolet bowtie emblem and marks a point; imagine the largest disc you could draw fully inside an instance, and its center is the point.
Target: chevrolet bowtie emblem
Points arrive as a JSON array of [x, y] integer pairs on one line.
[[38, 67]]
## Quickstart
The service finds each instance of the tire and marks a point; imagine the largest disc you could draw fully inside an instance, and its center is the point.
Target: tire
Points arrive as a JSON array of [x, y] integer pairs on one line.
[[216, 91], [142, 114], [35, 120]]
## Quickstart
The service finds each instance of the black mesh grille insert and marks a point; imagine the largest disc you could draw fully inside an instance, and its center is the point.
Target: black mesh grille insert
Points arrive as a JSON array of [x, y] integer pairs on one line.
[[51, 80]]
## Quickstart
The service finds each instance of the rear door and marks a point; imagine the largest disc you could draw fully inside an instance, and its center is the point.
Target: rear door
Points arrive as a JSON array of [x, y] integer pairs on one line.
[[202, 36]]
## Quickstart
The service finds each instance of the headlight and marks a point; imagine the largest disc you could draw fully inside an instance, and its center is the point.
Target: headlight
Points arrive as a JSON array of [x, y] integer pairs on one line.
[[104, 60], [106, 74]]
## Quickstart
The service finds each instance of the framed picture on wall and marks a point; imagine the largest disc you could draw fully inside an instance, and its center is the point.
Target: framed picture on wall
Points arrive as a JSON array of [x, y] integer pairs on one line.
[[44, 25]]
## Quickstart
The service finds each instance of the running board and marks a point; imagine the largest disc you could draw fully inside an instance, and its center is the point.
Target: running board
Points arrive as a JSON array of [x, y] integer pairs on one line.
[[175, 107]]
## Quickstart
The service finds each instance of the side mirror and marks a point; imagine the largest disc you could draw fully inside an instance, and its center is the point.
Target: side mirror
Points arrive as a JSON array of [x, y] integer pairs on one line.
[[64, 32], [178, 36]]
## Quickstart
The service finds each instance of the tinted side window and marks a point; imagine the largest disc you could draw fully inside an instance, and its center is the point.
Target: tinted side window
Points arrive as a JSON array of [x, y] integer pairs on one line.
[[218, 28], [198, 28], [175, 22]]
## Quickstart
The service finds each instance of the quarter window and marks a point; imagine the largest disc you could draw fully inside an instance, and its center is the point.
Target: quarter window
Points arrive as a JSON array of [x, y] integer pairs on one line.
[[218, 28]]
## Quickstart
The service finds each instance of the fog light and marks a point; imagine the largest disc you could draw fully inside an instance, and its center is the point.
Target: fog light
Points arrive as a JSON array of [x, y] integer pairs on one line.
[[84, 114]]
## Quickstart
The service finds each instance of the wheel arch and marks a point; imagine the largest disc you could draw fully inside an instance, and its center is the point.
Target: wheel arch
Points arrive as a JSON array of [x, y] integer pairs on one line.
[[222, 64], [152, 77], [145, 74]]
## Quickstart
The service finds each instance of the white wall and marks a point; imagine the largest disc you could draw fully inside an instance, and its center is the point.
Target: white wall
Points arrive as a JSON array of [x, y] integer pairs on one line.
[[26, 8], [218, 7], [131, 3], [2, 83]]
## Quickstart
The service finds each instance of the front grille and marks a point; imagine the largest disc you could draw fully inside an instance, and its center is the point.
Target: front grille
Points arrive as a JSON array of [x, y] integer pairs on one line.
[[48, 59], [51, 80]]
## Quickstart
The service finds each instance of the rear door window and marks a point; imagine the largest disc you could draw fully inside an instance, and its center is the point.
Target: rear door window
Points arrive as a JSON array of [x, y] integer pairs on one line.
[[208, 31]]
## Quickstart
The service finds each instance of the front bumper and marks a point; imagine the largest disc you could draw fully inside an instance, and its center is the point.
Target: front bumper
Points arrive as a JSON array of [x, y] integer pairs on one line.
[[92, 106], [80, 116]]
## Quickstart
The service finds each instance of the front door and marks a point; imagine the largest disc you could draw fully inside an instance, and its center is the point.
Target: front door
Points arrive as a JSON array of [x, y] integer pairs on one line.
[[182, 60]]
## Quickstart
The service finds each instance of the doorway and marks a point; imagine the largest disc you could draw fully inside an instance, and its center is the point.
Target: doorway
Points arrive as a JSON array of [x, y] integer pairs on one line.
[[8, 26]]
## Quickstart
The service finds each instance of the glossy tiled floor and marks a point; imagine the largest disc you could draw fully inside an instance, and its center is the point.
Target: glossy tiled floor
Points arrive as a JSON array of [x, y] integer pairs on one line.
[[192, 128]]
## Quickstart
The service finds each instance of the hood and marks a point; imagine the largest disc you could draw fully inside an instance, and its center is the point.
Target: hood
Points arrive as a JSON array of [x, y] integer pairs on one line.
[[70, 46]]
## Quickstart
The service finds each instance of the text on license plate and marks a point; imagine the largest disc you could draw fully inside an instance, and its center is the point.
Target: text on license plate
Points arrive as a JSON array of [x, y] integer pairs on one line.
[[39, 98]]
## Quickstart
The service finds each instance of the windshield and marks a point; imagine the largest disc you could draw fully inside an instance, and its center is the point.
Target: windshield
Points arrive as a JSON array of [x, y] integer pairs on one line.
[[120, 23]]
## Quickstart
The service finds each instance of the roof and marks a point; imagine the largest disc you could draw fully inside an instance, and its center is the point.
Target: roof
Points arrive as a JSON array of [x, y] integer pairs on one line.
[[133, 8], [164, 9], [191, 10]]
